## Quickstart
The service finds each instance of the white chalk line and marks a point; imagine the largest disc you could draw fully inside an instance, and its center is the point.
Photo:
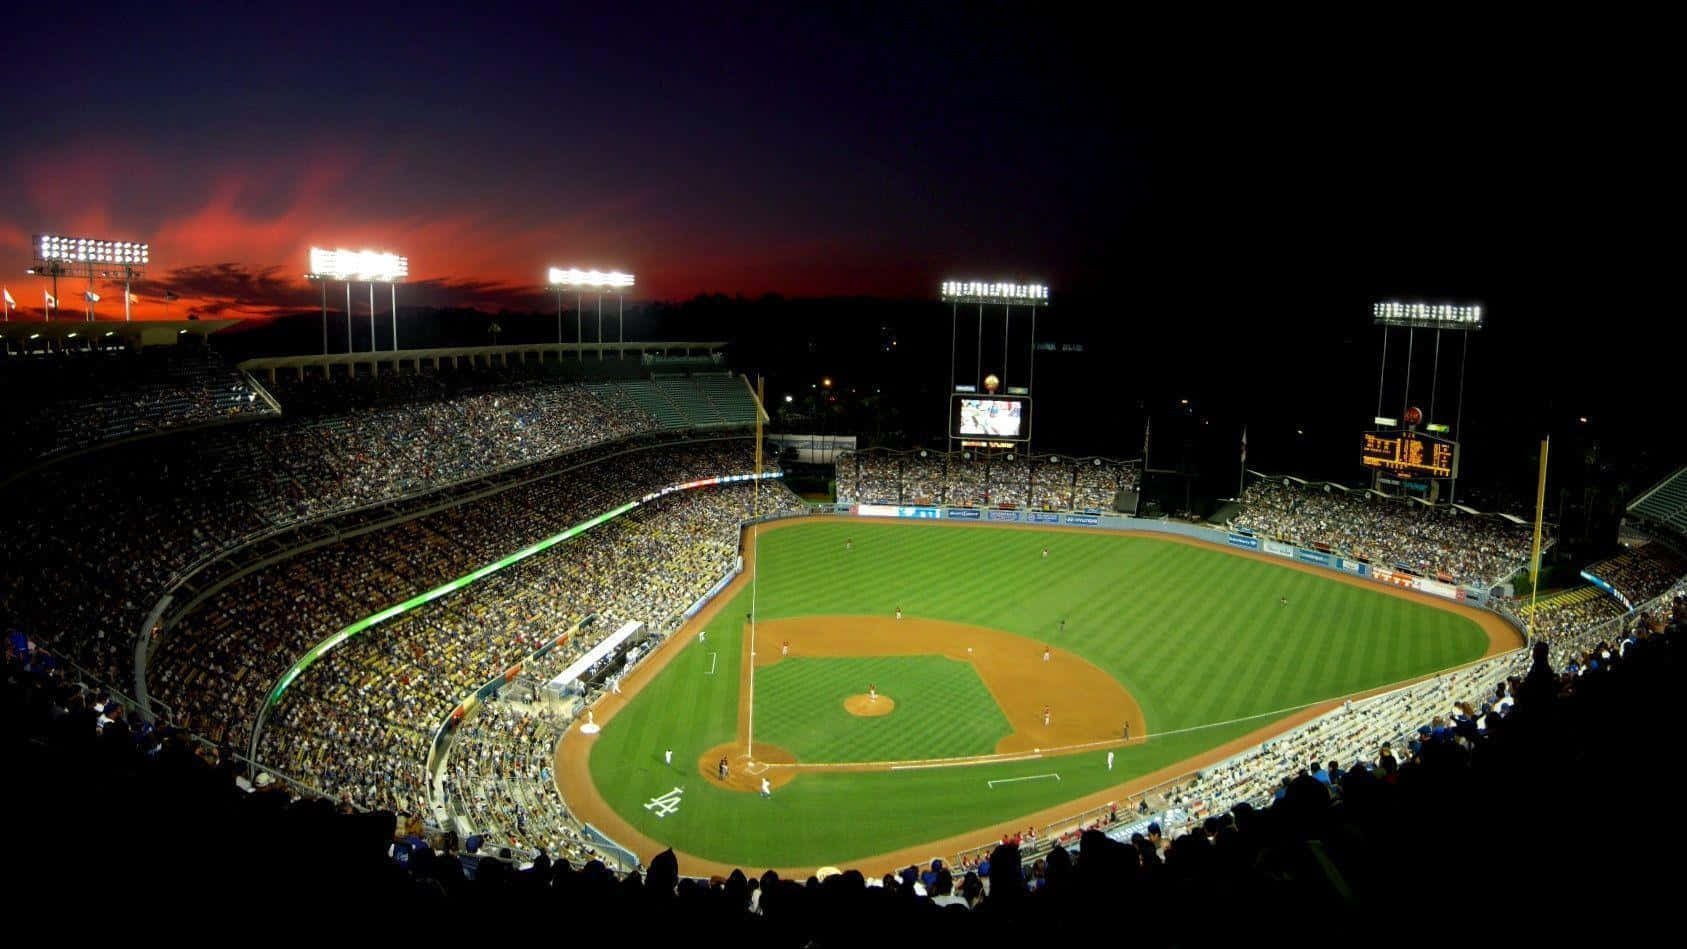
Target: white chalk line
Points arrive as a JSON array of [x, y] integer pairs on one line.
[[1029, 777], [711, 670]]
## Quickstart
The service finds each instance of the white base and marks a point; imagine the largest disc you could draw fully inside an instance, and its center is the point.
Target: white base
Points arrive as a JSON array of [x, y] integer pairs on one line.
[[590, 728]]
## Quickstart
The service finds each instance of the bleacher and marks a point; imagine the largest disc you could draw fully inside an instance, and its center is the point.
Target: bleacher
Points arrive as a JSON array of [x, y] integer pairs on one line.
[[692, 404], [1666, 503], [729, 395], [1561, 599], [653, 403]]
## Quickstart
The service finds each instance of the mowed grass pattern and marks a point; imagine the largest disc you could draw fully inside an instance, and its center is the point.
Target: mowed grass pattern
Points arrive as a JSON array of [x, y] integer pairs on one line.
[[942, 709], [1197, 635]]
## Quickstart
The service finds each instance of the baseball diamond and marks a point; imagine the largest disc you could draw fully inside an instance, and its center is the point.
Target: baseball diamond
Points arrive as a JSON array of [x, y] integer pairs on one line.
[[1190, 648]]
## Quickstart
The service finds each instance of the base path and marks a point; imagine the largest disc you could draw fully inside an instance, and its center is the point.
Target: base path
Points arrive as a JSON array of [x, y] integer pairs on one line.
[[573, 775]]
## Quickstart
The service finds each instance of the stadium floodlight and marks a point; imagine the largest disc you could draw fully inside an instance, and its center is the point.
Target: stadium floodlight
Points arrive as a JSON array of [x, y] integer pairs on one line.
[[576, 279], [582, 282], [93, 258], [362, 266], [51, 249], [979, 291], [1434, 316]]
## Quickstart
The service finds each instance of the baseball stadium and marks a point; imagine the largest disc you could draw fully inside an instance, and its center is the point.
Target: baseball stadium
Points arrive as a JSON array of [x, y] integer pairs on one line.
[[1267, 550]]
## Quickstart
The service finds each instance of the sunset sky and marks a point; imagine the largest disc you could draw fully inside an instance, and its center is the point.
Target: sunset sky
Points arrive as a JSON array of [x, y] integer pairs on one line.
[[871, 150], [755, 152]]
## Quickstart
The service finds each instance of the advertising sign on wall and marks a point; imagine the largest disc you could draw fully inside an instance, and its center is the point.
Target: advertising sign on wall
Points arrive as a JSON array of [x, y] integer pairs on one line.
[[1044, 517], [1313, 556], [1083, 520], [962, 513], [1002, 515], [1280, 549], [1240, 540]]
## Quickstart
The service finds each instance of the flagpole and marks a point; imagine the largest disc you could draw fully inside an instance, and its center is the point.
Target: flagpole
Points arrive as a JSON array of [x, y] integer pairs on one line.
[[126, 295], [1242, 476]]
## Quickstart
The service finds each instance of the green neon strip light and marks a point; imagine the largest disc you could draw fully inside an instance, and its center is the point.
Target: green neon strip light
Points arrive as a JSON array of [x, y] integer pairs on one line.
[[320, 649]]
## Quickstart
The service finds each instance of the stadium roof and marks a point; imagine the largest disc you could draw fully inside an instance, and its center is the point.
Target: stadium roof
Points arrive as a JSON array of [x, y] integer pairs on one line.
[[503, 354], [71, 332], [1665, 503]]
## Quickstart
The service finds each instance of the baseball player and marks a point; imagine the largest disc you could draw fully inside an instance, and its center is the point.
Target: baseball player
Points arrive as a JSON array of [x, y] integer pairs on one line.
[[849, 543], [1110, 761], [1045, 553], [1047, 651], [668, 757], [766, 789], [1127, 731], [722, 767], [899, 612], [1045, 715], [872, 693], [785, 648], [1063, 626], [701, 633]]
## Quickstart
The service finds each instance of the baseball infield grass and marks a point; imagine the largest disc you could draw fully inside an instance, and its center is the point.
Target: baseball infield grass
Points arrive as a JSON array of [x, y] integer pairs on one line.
[[1199, 637], [799, 708]]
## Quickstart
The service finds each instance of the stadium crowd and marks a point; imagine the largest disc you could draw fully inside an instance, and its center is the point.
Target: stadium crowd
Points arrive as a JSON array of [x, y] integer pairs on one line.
[[211, 668], [1641, 573], [967, 479], [358, 722], [146, 513], [1435, 541], [62, 402]]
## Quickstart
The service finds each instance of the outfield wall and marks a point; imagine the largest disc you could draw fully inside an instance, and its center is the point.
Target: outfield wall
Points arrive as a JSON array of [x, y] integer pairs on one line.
[[1243, 540]]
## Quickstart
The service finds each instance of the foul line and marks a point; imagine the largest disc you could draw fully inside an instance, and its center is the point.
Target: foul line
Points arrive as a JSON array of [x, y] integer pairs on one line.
[[1029, 777], [711, 664], [750, 711]]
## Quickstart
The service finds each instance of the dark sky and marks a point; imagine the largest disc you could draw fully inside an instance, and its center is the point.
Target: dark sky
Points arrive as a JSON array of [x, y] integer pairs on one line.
[[1174, 179]]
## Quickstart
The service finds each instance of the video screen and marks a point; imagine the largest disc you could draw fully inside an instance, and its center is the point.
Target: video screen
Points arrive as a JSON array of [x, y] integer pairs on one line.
[[991, 417]]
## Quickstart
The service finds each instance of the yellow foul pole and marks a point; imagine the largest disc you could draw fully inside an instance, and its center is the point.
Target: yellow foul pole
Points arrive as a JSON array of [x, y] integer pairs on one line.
[[1535, 556]]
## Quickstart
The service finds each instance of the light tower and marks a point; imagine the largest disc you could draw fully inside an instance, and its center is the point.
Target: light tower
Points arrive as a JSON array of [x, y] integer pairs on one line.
[[358, 266], [562, 280], [1396, 445], [983, 411], [92, 258]]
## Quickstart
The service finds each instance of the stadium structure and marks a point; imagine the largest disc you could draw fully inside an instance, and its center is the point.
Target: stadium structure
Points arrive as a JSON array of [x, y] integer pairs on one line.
[[539, 614]]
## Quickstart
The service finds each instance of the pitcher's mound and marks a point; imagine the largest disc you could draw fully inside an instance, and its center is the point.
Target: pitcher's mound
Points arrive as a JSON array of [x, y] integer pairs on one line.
[[869, 707]]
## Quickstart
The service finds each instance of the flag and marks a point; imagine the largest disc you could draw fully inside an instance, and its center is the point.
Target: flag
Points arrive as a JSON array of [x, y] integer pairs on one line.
[[1244, 444], [169, 297], [90, 296], [134, 299], [9, 300], [51, 300]]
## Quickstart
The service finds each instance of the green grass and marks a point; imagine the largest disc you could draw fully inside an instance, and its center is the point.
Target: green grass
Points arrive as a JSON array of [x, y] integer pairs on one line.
[[1196, 635], [942, 709]]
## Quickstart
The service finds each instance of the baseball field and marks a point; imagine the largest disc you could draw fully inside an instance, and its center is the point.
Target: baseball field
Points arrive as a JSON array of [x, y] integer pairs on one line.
[[992, 703]]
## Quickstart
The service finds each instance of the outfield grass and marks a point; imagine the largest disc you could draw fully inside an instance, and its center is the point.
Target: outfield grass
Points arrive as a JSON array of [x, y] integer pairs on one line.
[[943, 709], [1198, 636]]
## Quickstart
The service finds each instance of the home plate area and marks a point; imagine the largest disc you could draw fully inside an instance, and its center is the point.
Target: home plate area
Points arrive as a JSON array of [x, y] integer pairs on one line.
[[746, 773]]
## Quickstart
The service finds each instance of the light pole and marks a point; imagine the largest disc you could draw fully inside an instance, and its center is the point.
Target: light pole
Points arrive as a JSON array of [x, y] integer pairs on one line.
[[580, 281]]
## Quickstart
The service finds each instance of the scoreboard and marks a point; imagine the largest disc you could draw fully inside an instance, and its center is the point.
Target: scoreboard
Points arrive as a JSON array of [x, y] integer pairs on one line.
[[1411, 454]]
